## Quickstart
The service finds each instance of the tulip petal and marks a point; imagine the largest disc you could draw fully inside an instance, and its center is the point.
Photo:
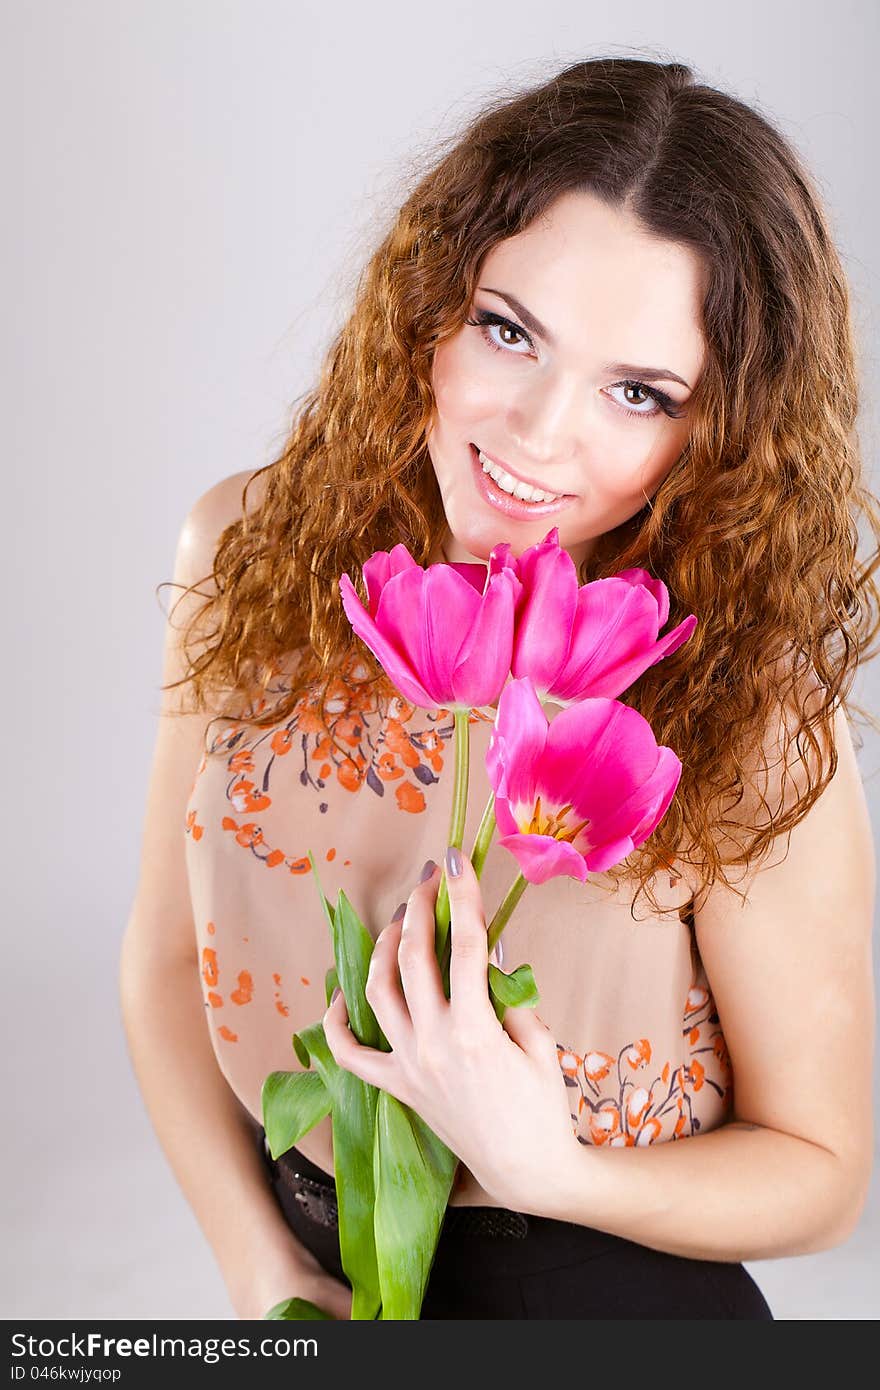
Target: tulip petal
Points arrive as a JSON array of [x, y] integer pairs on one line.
[[605, 856], [615, 623], [545, 615], [405, 618], [394, 661], [501, 557], [541, 857], [598, 751], [497, 758], [449, 607], [623, 675], [523, 727], [675, 638], [382, 566], [504, 818], [474, 574], [642, 812], [483, 660], [654, 585]]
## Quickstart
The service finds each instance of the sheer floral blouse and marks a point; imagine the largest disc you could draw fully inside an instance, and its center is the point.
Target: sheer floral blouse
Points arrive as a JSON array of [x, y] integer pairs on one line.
[[365, 784]]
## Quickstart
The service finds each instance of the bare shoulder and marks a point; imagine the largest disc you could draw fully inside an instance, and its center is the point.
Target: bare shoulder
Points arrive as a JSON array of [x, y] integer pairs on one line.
[[213, 511], [161, 924], [782, 767], [198, 540], [830, 851]]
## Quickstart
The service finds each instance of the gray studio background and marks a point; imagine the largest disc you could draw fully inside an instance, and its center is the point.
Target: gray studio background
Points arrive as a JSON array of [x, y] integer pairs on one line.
[[190, 190]]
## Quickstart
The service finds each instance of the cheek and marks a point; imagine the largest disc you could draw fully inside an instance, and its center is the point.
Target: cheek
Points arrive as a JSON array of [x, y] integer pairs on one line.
[[462, 387], [645, 456], [631, 469]]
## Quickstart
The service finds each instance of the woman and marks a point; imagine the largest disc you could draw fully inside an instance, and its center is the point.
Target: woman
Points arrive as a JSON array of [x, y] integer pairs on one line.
[[619, 288]]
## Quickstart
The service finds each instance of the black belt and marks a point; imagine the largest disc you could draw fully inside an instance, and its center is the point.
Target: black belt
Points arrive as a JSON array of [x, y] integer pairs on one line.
[[318, 1203]]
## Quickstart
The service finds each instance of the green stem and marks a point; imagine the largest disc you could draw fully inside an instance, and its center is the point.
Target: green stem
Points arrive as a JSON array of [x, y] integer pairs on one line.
[[485, 831], [483, 840], [442, 915], [505, 911]]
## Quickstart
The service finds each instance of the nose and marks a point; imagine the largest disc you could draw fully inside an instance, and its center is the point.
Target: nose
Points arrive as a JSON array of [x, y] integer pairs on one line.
[[545, 421]]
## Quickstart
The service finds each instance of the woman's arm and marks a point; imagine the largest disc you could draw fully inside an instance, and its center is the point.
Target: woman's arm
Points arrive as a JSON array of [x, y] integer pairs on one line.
[[740, 1192], [200, 1123], [204, 1132], [790, 972], [791, 975]]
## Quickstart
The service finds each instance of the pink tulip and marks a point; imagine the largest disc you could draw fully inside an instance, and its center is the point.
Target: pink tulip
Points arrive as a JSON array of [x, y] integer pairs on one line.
[[443, 634], [590, 640], [578, 794]]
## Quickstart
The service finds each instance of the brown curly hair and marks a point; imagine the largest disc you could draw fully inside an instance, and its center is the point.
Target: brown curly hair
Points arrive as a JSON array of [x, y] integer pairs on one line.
[[755, 529]]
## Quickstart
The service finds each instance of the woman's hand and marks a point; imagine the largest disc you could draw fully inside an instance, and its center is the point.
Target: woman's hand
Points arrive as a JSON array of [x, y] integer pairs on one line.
[[301, 1275], [494, 1093]]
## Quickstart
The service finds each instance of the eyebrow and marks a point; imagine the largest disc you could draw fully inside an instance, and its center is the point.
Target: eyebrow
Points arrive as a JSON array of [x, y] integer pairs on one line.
[[623, 368]]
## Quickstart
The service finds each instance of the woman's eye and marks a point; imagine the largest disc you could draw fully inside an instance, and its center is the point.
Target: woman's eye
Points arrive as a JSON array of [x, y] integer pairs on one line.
[[487, 322], [648, 406], [659, 401], [653, 402]]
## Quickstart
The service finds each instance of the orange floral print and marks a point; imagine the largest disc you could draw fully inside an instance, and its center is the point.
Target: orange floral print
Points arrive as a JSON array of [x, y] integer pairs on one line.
[[209, 966], [245, 992], [635, 1114], [356, 735], [332, 732], [279, 1002]]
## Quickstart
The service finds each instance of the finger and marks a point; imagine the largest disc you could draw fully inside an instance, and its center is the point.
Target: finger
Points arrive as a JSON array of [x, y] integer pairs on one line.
[[526, 1029], [383, 988], [469, 954], [376, 1068], [417, 959]]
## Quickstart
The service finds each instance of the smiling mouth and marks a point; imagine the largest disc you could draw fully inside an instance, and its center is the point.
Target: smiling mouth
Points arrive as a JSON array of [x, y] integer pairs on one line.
[[481, 454]]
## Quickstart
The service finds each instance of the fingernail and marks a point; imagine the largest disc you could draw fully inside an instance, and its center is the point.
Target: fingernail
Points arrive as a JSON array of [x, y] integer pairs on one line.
[[453, 862], [427, 871], [399, 912], [334, 994]]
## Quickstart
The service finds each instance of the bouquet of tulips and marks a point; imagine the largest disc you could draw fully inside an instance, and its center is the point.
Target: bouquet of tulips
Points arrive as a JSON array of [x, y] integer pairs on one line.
[[570, 795]]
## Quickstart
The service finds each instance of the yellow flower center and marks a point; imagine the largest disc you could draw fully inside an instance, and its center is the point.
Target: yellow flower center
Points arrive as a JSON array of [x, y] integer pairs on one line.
[[555, 826]]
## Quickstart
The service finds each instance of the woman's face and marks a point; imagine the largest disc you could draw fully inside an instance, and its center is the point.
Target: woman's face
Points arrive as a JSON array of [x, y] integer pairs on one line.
[[540, 389]]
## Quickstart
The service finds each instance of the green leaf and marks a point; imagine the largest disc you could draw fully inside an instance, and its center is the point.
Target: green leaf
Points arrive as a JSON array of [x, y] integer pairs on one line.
[[331, 981], [352, 950], [513, 990], [293, 1103], [297, 1308], [354, 1123], [413, 1173], [328, 910], [301, 1050]]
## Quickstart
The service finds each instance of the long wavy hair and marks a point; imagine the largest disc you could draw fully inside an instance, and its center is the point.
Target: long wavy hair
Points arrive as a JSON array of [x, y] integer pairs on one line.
[[755, 529]]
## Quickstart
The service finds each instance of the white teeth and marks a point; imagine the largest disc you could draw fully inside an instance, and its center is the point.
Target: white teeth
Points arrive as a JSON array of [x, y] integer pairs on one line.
[[512, 485]]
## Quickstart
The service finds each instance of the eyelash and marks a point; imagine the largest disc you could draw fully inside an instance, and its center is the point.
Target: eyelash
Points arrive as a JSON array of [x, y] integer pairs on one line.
[[665, 404]]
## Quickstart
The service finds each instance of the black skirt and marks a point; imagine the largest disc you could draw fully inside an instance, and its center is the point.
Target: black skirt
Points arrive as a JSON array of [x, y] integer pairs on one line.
[[494, 1263]]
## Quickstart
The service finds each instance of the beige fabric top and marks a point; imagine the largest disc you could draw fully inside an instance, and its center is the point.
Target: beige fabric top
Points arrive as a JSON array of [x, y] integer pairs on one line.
[[369, 792]]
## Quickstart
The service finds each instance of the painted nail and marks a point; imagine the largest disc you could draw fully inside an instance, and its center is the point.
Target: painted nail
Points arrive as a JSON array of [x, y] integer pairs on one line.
[[399, 912], [427, 871], [453, 862], [334, 994]]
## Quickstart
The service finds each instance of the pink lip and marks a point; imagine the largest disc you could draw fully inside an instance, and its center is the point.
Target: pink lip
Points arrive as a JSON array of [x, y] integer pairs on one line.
[[510, 506], [531, 482]]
